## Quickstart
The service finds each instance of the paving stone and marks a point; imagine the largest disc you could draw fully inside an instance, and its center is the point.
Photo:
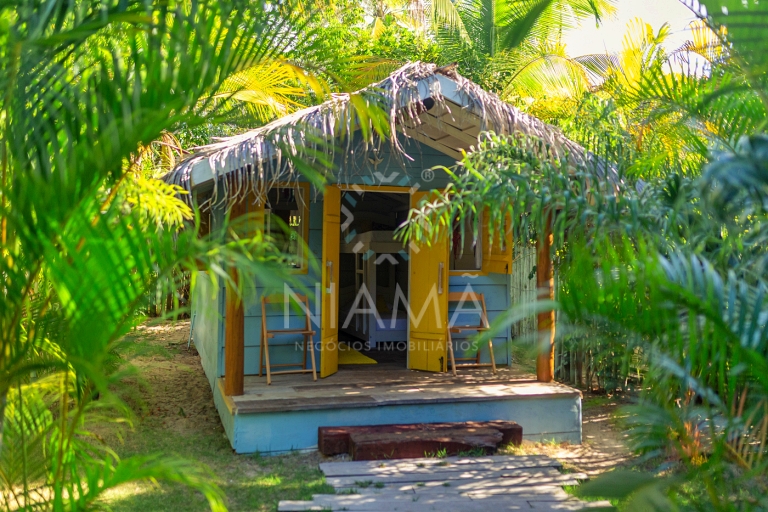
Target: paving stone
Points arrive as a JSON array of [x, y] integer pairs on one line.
[[455, 484]]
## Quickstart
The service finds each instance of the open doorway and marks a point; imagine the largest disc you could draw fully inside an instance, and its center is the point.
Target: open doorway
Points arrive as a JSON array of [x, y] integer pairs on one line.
[[373, 277]]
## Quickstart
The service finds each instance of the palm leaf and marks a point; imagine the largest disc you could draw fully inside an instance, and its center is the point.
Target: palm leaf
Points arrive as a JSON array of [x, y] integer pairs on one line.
[[741, 27], [88, 236], [521, 20]]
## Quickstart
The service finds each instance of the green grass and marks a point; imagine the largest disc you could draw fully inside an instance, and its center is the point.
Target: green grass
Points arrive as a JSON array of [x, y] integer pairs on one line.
[[524, 356], [439, 454], [249, 482], [474, 452], [598, 401], [176, 420], [573, 490]]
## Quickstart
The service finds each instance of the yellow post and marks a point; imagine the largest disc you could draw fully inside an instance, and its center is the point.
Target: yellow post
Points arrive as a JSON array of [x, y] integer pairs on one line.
[[329, 328]]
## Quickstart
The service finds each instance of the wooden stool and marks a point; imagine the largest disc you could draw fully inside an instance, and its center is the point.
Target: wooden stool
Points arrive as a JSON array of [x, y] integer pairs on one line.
[[482, 326], [266, 334]]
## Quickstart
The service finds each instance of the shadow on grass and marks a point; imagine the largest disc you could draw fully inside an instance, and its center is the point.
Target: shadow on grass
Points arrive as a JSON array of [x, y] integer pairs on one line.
[[249, 482]]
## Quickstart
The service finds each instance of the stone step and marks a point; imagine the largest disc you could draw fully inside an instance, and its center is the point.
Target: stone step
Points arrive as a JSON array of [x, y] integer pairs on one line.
[[377, 442], [435, 503], [466, 482], [388, 467]]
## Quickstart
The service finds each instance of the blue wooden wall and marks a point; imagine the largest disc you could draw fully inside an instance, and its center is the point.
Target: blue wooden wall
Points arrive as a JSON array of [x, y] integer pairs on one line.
[[283, 349], [208, 307], [495, 290]]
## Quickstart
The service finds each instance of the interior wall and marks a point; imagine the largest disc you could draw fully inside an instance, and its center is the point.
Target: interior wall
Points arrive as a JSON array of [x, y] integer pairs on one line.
[[381, 212]]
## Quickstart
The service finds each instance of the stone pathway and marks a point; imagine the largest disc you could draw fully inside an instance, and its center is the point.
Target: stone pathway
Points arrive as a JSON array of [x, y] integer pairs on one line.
[[454, 484]]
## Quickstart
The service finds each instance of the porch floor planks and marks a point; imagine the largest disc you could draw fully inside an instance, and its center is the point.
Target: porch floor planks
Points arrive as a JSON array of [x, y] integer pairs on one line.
[[388, 385], [454, 484]]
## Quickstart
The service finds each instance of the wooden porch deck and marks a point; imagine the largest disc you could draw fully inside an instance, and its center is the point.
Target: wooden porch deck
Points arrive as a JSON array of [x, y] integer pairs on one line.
[[286, 415], [381, 385]]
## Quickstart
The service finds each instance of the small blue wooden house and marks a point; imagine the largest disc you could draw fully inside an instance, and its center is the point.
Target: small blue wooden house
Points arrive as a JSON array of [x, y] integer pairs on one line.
[[370, 298]]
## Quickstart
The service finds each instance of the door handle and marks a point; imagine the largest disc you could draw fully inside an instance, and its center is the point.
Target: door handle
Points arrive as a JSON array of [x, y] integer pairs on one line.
[[329, 266], [440, 267]]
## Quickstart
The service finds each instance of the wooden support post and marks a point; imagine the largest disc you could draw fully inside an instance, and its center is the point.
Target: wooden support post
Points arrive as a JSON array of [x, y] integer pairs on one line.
[[234, 328], [234, 341], [545, 282]]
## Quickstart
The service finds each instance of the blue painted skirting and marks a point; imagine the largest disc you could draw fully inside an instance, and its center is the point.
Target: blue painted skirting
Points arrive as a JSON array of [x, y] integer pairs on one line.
[[556, 418]]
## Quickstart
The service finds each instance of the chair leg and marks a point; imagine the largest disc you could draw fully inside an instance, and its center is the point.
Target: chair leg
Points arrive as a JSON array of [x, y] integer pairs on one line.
[[493, 359], [311, 355], [266, 355], [261, 354], [450, 354]]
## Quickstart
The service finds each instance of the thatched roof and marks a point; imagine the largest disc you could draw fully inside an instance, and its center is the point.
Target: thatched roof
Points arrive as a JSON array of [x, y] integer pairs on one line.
[[435, 106]]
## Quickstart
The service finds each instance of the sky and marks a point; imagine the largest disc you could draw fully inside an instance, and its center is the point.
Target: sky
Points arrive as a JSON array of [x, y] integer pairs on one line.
[[588, 39]]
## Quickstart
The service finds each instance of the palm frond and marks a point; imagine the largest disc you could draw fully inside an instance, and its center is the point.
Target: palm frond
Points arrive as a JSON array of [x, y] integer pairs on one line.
[[271, 89], [548, 77], [599, 66], [92, 85], [705, 43], [446, 14], [723, 107], [519, 21], [741, 27]]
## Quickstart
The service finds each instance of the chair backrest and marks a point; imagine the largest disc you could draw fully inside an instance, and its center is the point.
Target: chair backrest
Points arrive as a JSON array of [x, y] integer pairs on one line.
[[280, 298], [474, 298], [276, 298], [465, 297]]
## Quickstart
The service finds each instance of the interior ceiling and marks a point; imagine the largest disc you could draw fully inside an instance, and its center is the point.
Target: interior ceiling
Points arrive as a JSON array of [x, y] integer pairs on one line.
[[445, 127]]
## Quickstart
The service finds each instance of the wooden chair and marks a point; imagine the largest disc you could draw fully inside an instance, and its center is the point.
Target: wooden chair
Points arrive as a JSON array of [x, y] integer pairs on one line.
[[267, 334], [476, 298]]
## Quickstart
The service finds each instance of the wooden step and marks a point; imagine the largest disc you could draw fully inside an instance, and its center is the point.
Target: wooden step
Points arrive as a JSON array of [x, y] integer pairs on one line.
[[377, 442]]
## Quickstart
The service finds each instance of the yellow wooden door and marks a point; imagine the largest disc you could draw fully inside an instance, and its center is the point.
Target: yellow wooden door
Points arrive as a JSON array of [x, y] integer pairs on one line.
[[329, 328], [428, 302]]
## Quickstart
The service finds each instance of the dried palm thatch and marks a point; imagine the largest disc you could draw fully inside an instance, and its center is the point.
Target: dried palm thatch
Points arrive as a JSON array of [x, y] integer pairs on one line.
[[318, 142]]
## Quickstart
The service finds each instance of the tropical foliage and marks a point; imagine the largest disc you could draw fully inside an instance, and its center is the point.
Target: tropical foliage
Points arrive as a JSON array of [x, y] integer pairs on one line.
[[663, 276], [86, 234], [660, 237], [494, 40]]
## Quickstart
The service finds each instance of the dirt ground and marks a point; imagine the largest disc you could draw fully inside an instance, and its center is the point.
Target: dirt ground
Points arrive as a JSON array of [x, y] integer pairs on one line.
[[603, 443], [176, 394], [176, 415]]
